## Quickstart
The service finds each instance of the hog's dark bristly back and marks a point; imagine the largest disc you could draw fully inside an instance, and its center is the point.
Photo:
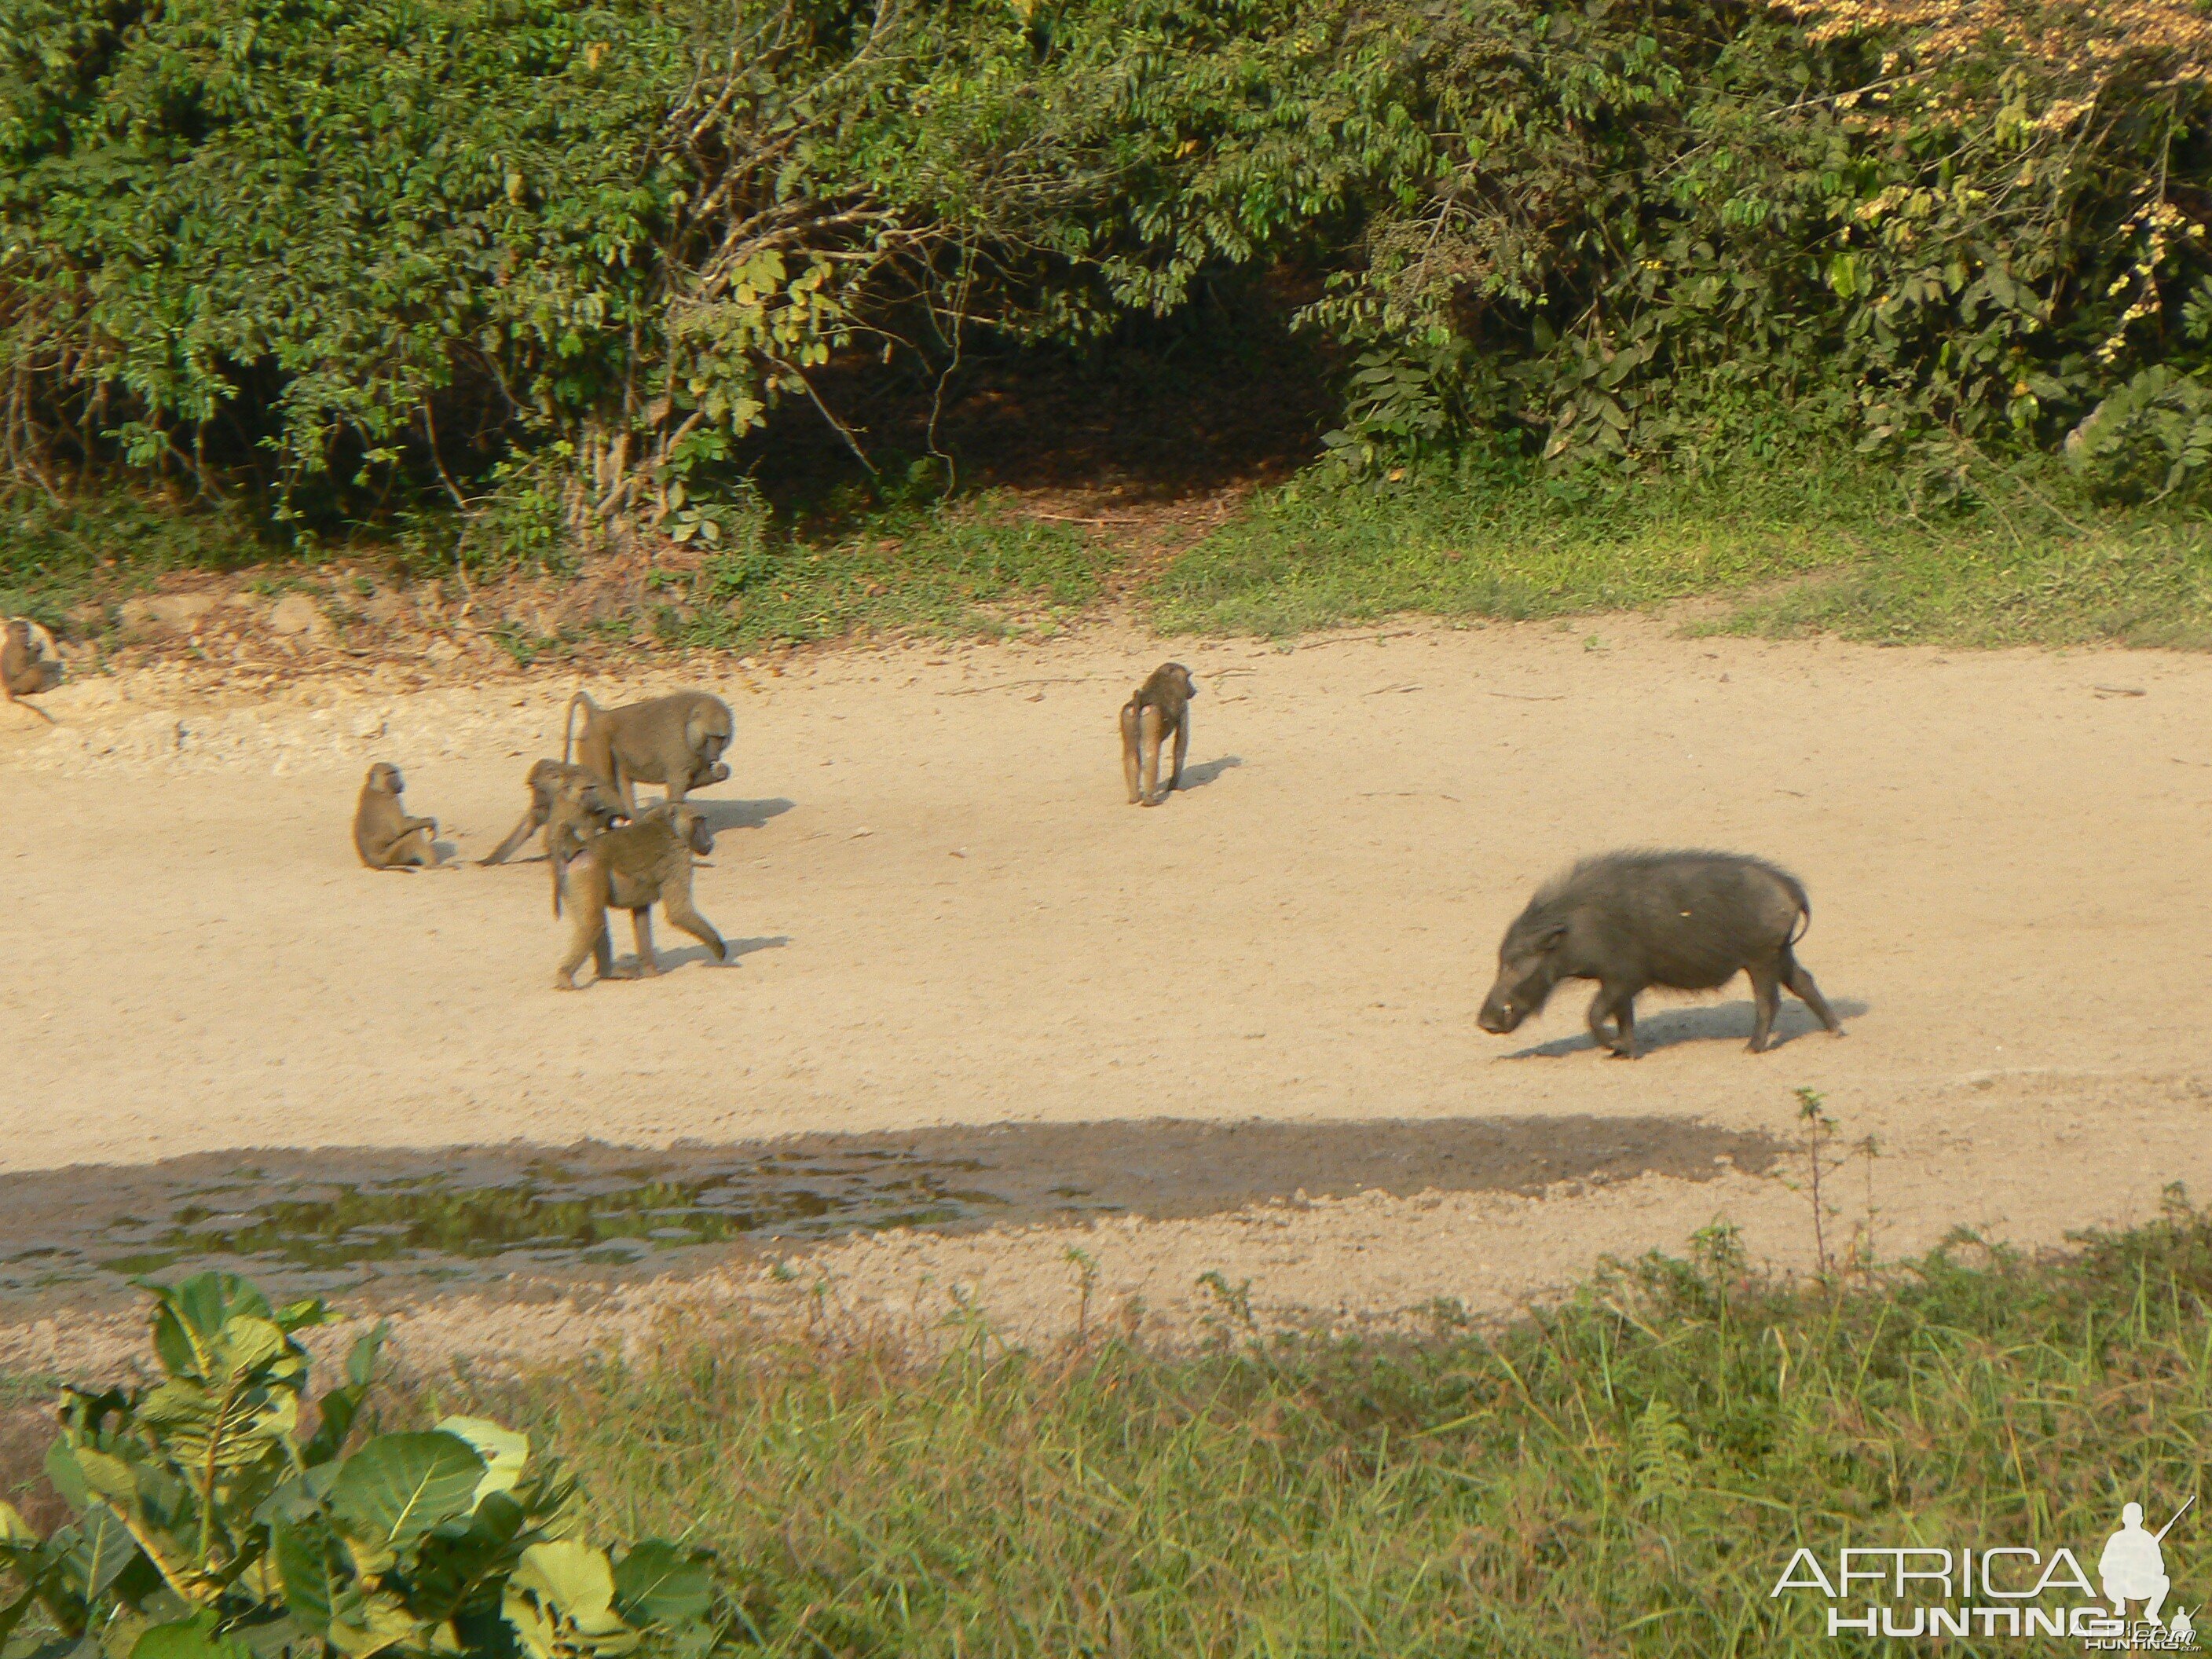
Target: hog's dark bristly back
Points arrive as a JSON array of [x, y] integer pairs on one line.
[[1690, 919]]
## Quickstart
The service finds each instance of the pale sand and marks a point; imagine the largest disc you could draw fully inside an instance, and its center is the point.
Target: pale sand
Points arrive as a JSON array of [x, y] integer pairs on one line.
[[947, 915]]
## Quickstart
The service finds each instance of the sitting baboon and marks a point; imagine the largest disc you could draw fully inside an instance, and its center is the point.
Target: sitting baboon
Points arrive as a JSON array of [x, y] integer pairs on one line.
[[676, 741], [1161, 705], [547, 780], [644, 863], [382, 834], [28, 664]]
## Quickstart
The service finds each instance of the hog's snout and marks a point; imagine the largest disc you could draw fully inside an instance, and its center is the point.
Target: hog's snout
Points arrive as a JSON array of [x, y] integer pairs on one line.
[[1500, 1014]]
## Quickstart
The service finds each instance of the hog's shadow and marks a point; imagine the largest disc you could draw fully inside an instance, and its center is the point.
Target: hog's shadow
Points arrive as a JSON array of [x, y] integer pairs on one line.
[[722, 815], [1723, 1022]]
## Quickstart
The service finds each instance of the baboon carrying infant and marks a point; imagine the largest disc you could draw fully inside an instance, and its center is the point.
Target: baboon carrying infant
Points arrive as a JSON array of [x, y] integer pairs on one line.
[[644, 863], [557, 792]]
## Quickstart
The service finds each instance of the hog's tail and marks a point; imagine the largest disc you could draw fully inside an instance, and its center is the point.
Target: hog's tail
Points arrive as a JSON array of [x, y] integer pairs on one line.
[[1804, 912]]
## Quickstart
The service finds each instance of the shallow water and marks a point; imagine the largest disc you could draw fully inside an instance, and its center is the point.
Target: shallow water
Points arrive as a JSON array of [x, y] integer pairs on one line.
[[406, 1223]]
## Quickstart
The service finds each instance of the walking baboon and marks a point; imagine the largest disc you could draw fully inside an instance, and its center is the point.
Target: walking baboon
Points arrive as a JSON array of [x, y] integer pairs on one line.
[[642, 864], [27, 664], [1161, 705], [547, 780], [675, 741], [382, 834]]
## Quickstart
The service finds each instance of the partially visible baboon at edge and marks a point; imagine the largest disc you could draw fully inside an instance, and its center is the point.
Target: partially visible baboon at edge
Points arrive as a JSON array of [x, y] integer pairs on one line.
[[1161, 705], [546, 781], [27, 664], [382, 834], [642, 864], [675, 741]]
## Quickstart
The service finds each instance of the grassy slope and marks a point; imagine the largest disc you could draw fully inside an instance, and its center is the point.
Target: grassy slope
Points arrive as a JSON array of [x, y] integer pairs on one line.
[[1626, 1475], [1797, 549]]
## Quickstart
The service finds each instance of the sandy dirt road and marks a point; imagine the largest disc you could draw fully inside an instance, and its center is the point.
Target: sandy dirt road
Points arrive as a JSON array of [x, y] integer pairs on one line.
[[945, 914]]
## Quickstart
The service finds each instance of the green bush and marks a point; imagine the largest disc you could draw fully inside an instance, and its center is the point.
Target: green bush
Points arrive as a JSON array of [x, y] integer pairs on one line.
[[211, 1524], [298, 252]]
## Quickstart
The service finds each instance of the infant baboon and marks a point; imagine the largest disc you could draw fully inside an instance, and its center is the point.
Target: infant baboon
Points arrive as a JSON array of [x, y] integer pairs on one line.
[[675, 741], [582, 811], [546, 783], [642, 864], [1161, 705], [382, 834], [28, 664]]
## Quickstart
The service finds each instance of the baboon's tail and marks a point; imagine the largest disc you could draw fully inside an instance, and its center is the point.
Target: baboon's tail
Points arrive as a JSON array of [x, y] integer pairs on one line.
[[569, 725]]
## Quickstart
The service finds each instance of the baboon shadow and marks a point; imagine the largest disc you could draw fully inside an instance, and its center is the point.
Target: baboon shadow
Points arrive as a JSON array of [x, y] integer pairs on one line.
[[722, 815], [671, 957], [1197, 777], [1723, 1022]]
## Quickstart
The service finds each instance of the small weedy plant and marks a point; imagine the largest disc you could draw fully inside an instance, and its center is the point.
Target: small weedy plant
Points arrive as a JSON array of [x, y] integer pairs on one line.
[[208, 1525]]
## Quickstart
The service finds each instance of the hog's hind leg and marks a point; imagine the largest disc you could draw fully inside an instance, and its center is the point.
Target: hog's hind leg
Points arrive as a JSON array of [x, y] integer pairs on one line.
[[1766, 999], [1801, 987]]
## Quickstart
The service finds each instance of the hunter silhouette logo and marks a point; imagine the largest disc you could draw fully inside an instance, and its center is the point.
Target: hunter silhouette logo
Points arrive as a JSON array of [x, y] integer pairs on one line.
[[2133, 1567], [2005, 1590]]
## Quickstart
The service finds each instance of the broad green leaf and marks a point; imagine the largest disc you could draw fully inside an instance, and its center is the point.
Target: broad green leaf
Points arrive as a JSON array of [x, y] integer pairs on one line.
[[12, 1614], [367, 1623], [361, 1358], [196, 1637], [67, 1475], [15, 1532], [504, 1451], [307, 1563], [560, 1601], [660, 1583], [399, 1487], [225, 1427], [105, 1547], [189, 1317]]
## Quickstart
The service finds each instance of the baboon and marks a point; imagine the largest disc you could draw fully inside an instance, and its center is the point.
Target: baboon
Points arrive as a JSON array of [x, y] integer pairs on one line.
[[546, 781], [582, 812], [644, 863], [1688, 921], [382, 834], [1161, 705], [675, 741], [27, 664]]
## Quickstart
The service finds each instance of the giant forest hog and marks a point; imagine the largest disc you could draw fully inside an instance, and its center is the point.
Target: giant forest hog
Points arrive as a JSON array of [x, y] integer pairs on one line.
[[1688, 921]]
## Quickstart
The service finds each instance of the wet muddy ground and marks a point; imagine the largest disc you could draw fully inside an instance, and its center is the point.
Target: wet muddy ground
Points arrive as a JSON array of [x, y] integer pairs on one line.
[[402, 1224]]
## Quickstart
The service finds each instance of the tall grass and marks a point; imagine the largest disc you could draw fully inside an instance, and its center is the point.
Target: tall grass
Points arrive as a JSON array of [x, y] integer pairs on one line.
[[1809, 543], [1627, 1474]]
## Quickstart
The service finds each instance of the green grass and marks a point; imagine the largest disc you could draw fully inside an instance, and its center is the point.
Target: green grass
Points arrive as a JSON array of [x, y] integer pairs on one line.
[[1833, 547], [53, 555], [954, 567], [1628, 1474], [1797, 546]]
